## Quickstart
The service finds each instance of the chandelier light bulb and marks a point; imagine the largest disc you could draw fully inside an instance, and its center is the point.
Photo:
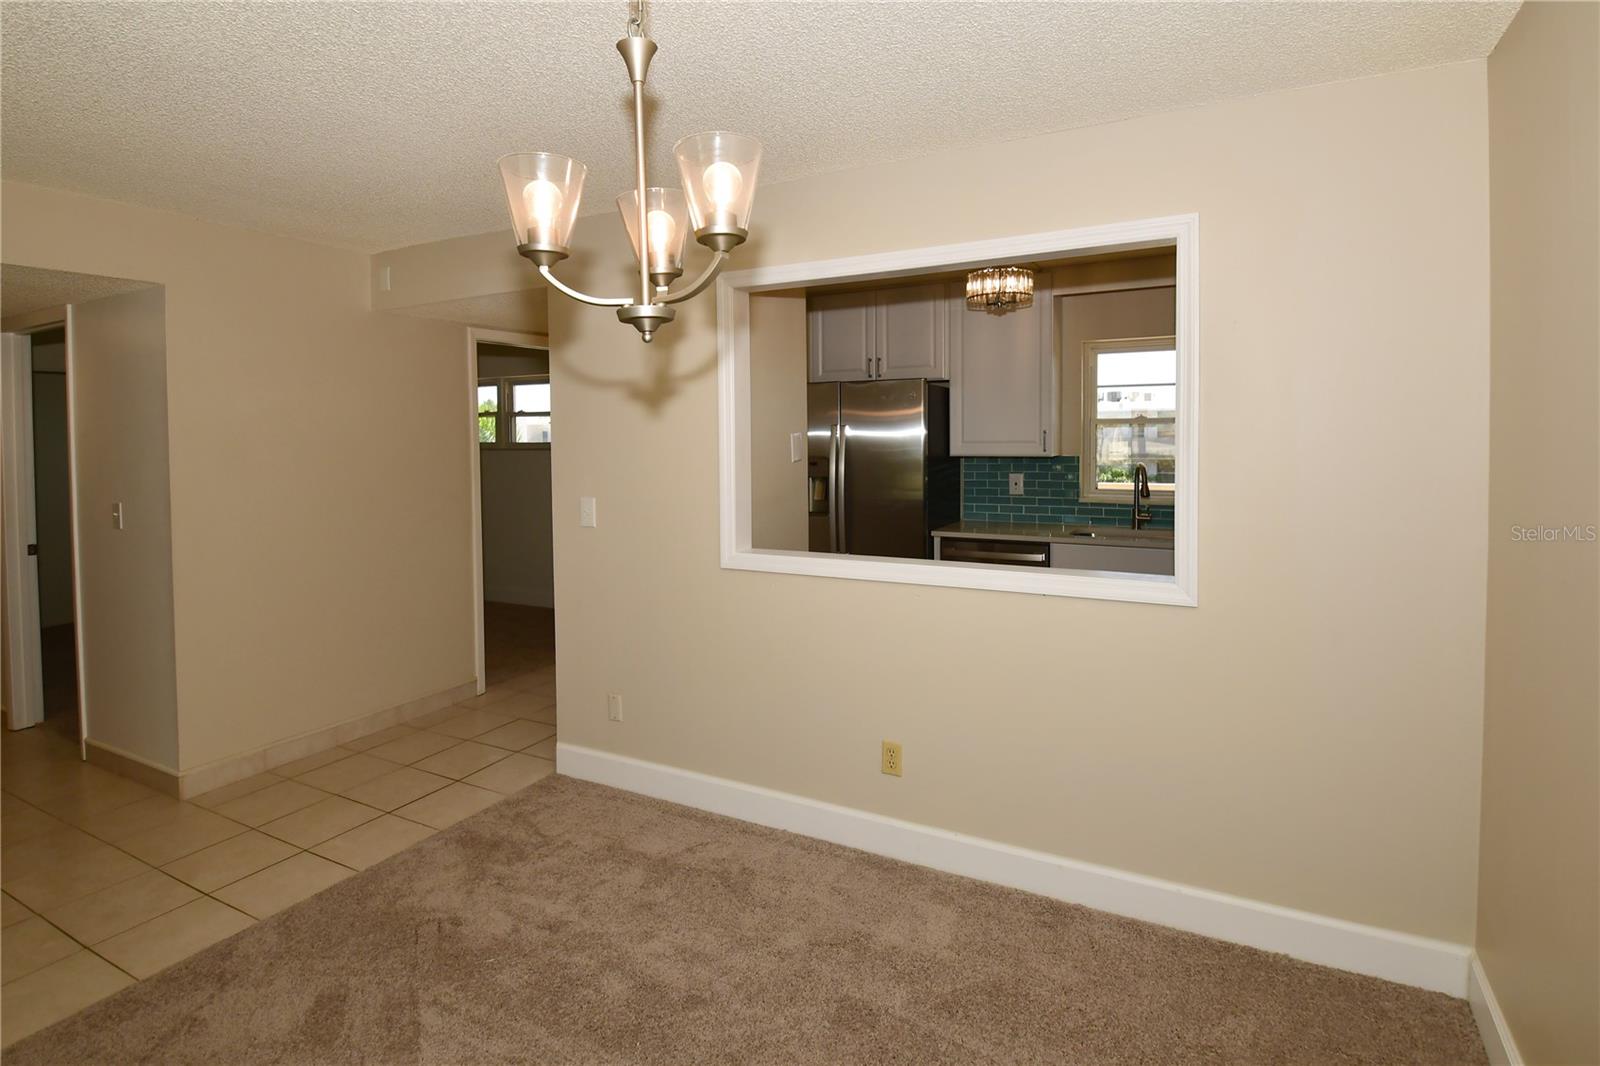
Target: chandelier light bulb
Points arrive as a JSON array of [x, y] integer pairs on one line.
[[662, 230], [542, 200], [723, 184]]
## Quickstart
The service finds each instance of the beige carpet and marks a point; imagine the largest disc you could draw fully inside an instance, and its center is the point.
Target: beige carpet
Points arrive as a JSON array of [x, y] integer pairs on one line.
[[576, 924]]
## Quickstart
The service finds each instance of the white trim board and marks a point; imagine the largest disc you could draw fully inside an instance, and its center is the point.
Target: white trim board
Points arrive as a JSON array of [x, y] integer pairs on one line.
[[1182, 232], [1401, 957], [1492, 1027]]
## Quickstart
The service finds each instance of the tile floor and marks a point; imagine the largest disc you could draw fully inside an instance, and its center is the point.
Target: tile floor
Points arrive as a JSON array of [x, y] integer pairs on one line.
[[105, 882]]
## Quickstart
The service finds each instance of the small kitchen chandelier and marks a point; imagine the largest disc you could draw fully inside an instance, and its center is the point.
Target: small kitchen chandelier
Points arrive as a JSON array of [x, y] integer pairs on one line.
[[999, 288], [719, 184]]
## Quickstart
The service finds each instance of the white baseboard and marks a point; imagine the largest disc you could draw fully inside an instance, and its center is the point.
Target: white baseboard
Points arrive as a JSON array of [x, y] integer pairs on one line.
[[1491, 1023], [1411, 960]]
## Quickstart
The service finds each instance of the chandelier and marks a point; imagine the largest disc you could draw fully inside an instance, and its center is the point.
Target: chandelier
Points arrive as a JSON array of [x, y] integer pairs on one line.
[[718, 171], [999, 289]]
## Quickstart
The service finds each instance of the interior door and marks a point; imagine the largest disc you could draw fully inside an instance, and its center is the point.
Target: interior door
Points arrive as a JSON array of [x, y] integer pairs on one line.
[[883, 440], [24, 695]]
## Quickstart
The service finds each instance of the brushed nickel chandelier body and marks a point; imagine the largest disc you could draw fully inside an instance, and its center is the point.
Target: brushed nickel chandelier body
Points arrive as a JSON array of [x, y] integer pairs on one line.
[[718, 171]]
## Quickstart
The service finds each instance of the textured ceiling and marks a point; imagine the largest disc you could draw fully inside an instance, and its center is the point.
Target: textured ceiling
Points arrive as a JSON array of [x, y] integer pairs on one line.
[[25, 289], [376, 125]]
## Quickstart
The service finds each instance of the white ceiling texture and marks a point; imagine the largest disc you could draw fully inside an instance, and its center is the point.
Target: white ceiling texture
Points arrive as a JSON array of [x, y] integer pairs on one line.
[[377, 125]]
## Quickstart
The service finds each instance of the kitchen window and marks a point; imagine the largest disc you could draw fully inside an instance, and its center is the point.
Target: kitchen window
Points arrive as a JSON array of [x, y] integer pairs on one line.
[[514, 412], [1130, 416]]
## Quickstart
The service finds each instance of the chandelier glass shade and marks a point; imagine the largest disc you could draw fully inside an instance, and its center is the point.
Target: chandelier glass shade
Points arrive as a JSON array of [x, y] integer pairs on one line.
[[543, 191], [666, 221], [999, 288], [719, 175], [718, 170]]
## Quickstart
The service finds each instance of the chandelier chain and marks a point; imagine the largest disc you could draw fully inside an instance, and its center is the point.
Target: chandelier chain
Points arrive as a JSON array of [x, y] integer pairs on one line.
[[636, 18]]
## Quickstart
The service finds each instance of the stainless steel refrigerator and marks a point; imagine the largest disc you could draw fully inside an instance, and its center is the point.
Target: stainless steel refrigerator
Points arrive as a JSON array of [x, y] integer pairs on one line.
[[879, 471]]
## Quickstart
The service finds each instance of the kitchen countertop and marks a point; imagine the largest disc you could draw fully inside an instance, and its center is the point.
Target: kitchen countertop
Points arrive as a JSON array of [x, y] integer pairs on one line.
[[1121, 536]]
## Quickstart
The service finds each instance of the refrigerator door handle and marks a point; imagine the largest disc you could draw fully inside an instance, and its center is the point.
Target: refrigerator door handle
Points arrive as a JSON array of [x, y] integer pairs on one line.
[[833, 487], [843, 432]]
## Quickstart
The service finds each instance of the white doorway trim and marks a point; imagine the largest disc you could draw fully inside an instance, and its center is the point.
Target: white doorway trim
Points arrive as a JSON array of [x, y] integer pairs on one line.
[[25, 698], [74, 523], [476, 336]]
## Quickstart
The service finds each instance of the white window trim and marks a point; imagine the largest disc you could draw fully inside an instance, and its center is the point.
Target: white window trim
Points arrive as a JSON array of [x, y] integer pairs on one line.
[[505, 417], [733, 413], [1088, 460]]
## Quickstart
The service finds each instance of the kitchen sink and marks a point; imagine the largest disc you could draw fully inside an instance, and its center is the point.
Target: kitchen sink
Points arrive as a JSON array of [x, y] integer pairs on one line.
[[1128, 538]]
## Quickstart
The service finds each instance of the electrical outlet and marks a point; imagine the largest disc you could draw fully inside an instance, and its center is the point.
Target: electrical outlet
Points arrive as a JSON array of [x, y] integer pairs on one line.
[[891, 758], [613, 706], [1015, 484], [586, 512]]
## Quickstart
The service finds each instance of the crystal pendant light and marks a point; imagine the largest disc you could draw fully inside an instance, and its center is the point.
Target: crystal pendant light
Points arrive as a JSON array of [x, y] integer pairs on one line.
[[999, 288]]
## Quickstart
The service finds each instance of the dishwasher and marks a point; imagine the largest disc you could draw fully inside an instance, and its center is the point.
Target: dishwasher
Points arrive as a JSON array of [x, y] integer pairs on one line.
[[984, 550]]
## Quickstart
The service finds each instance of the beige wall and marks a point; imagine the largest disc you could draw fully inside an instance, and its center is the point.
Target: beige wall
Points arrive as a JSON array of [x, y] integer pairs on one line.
[[518, 564], [1310, 735], [778, 373], [119, 356], [319, 473], [1539, 880]]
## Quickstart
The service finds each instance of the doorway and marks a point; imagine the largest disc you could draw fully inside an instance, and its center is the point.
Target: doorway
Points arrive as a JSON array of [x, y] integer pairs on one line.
[[42, 685], [52, 493], [513, 427]]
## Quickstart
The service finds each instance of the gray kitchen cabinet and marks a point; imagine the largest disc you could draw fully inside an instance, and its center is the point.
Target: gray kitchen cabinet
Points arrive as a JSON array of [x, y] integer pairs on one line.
[[842, 336], [913, 333], [880, 334], [1004, 398]]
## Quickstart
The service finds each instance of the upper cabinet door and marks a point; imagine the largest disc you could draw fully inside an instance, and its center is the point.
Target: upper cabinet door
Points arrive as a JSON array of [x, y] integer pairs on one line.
[[842, 336], [913, 333], [1003, 391]]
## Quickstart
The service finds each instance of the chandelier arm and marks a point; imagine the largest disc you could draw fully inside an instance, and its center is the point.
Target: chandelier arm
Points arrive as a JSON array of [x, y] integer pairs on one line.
[[699, 285], [597, 301]]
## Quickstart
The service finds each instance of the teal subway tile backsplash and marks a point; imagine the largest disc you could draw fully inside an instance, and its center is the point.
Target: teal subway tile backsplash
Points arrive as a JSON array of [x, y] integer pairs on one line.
[[1050, 494]]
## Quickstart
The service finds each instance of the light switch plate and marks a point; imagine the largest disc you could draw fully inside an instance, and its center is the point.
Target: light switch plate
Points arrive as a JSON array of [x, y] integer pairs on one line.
[[614, 706], [797, 447], [1016, 484], [116, 515], [586, 516]]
